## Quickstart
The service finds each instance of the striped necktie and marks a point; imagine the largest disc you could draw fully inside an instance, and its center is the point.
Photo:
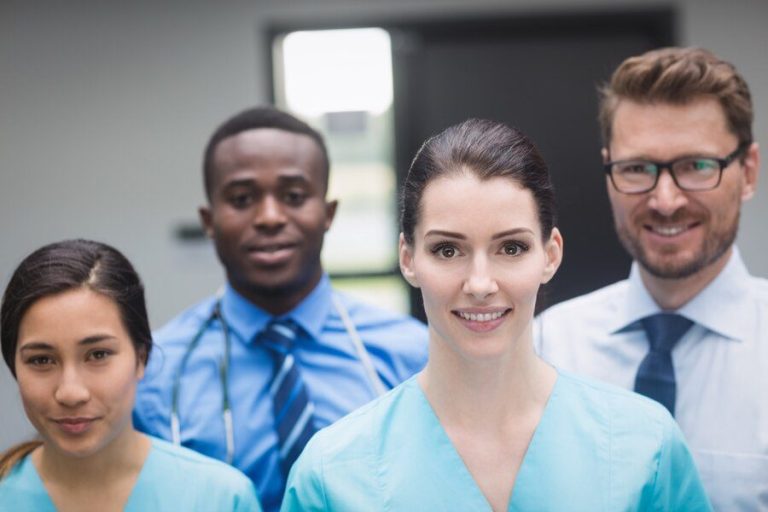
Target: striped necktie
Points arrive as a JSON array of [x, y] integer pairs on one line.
[[293, 411], [656, 375]]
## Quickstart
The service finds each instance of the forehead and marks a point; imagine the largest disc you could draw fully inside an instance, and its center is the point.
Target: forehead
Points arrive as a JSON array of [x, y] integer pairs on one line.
[[666, 130], [268, 150], [69, 317], [462, 202]]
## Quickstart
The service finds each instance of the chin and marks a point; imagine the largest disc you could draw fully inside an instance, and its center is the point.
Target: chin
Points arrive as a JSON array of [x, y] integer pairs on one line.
[[483, 348], [77, 450]]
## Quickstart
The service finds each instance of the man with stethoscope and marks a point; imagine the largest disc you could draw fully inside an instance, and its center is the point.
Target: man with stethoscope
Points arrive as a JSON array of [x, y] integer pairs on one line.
[[250, 374]]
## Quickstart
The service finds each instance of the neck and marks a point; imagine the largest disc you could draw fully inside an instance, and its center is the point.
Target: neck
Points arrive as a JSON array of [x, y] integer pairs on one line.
[[279, 300], [488, 393], [123, 457], [672, 294]]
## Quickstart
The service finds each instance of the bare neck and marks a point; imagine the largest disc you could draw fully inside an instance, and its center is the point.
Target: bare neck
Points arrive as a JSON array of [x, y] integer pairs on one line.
[[279, 301], [122, 458], [486, 394], [672, 294]]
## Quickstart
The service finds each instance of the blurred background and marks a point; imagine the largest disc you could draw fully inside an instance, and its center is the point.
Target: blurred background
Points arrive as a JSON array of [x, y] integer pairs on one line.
[[105, 108]]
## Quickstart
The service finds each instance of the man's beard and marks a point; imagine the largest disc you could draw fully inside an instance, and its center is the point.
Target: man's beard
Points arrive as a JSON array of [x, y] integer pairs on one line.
[[714, 247]]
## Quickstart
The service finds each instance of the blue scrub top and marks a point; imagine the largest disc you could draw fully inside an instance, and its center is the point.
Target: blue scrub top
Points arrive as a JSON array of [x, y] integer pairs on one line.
[[596, 448], [172, 478]]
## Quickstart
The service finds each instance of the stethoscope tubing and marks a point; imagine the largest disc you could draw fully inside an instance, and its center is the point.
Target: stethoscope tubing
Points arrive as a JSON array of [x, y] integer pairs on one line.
[[375, 383]]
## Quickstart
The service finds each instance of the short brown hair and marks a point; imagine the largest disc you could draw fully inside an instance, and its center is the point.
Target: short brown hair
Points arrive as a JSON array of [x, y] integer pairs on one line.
[[678, 76]]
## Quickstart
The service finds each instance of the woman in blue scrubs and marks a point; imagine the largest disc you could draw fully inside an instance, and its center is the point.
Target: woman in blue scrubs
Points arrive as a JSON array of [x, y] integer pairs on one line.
[[75, 335], [487, 425]]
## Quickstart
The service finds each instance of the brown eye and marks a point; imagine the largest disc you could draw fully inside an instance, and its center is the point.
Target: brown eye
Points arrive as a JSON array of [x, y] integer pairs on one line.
[[39, 361], [294, 197], [445, 251], [99, 355], [241, 200]]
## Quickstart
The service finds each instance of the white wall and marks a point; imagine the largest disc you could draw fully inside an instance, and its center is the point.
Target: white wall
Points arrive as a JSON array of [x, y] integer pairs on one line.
[[105, 107]]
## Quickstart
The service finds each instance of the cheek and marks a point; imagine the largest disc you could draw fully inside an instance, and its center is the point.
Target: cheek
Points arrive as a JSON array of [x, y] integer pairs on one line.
[[527, 283], [437, 284], [622, 203], [311, 222], [35, 394]]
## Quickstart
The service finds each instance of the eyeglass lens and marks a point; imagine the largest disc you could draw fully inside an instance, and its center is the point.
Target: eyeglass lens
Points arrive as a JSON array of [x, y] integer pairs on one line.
[[689, 173]]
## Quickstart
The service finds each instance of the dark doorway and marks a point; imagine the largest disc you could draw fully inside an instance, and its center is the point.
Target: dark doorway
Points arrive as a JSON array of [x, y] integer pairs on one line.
[[538, 73]]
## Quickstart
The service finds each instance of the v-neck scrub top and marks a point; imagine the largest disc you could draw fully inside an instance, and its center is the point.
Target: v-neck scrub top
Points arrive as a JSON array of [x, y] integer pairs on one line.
[[172, 479], [596, 448]]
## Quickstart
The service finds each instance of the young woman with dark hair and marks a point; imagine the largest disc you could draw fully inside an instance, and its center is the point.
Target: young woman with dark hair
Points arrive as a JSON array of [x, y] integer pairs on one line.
[[75, 335], [487, 425]]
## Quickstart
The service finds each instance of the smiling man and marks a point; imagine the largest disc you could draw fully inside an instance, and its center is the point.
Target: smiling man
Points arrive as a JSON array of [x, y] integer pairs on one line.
[[687, 328], [248, 376]]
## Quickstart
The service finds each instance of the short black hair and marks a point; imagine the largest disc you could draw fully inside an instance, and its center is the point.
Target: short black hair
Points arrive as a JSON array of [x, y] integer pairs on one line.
[[69, 265], [252, 119]]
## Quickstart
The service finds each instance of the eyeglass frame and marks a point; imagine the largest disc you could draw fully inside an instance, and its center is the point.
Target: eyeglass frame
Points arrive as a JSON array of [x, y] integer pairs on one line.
[[660, 166]]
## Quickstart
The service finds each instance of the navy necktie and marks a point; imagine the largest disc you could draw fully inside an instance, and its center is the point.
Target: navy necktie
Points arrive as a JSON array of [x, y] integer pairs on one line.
[[293, 411], [656, 376]]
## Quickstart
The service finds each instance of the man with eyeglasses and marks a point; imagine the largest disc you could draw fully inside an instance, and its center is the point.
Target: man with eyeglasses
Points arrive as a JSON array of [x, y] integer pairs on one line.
[[689, 327]]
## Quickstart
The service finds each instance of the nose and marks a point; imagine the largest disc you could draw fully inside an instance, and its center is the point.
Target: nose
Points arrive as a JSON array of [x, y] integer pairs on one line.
[[666, 198], [269, 214], [71, 390], [480, 283]]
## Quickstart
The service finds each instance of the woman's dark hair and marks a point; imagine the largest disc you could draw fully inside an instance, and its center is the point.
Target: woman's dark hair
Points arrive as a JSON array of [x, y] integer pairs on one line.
[[487, 149], [68, 265]]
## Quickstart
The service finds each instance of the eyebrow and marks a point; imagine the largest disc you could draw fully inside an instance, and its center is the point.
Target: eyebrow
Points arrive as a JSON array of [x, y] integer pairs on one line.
[[440, 232], [509, 232], [282, 181], [298, 179], [90, 340], [644, 158], [245, 182], [459, 236]]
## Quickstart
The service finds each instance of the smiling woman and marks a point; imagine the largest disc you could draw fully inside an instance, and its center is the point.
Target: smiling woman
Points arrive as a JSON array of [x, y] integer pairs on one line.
[[487, 425], [75, 335]]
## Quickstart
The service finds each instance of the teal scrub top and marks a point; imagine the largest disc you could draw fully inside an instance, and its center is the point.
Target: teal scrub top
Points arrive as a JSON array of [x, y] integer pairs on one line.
[[172, 479], [597, 447]]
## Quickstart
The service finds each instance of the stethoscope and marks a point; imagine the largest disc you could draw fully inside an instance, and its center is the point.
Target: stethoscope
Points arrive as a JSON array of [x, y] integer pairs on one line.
[[377, 386]]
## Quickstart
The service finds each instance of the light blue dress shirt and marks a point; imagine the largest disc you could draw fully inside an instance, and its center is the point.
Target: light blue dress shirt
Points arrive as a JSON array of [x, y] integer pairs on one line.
[[172, 479], [721, 369], [596, 448], [336, 380]]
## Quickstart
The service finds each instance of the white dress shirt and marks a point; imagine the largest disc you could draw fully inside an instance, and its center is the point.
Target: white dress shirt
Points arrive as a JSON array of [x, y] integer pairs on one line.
[[721, 369]]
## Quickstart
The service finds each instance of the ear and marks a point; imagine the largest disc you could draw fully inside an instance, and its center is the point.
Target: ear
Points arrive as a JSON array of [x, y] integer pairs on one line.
[[553, 250], [206, 220], [406, 262], [606, 155], [330, 212], [751, 170]]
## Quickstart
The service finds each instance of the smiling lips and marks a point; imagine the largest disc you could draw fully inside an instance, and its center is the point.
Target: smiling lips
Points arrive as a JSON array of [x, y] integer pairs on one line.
[[271, 254], [75, 425], [669, 231], [482, 320]]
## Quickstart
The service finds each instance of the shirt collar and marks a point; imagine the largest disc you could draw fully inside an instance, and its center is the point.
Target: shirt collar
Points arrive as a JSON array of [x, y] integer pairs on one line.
[[245, 319], [638, 304], [311, 313], [721, 306]]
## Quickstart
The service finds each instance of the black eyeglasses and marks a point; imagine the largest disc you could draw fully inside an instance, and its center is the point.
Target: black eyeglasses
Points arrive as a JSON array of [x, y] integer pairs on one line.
[[691, 173]]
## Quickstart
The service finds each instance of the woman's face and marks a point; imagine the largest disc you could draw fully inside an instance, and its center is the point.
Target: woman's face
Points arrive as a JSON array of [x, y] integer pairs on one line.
[[77, 371], [479, 260]]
